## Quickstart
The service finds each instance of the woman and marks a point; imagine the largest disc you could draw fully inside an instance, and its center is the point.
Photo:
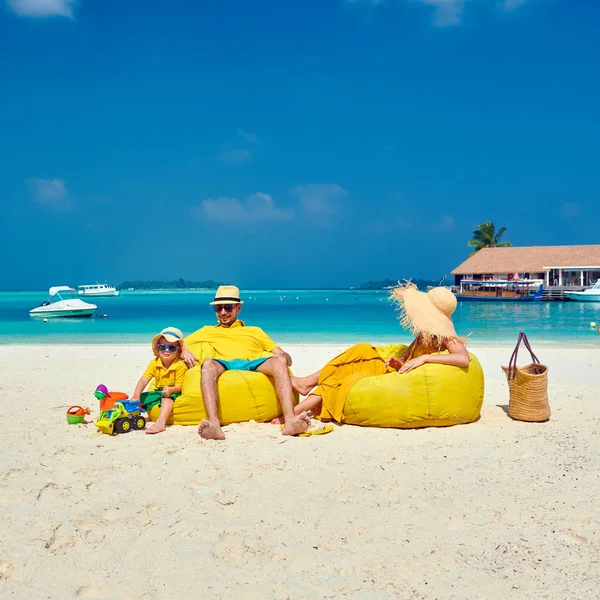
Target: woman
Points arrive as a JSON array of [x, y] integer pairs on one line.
[[426, 315]]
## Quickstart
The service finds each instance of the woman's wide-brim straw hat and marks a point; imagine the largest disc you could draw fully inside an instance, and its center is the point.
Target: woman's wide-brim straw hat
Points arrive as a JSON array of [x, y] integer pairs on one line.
[[172, 335], [426, 313], [227, 294]]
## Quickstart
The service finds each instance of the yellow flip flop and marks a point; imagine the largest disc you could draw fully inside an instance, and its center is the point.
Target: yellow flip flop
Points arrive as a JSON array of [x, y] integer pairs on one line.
[[316, 429]]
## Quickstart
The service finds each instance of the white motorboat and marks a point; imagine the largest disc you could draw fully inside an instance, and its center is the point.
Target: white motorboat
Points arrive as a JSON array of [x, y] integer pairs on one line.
[[590, 295], [97, 290], [57, 306]]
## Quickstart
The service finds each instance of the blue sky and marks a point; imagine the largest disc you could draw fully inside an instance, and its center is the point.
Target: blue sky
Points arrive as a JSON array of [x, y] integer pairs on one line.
[[313, 143]]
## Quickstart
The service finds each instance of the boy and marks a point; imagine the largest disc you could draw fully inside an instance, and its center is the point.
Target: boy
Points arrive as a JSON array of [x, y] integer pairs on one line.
[[167, 370]]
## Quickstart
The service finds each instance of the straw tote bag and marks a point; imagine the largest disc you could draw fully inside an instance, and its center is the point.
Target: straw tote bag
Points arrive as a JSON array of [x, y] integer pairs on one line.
[[527, 387]]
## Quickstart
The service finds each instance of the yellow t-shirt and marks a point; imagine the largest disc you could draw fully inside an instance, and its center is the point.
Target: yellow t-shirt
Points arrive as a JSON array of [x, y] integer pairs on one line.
[[235, 342], [165, 376]]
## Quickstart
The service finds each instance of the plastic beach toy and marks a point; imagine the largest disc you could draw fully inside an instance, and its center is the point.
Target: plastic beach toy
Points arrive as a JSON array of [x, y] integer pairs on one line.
[[101, 391], [76, 414], [108, 399], [121, 418]]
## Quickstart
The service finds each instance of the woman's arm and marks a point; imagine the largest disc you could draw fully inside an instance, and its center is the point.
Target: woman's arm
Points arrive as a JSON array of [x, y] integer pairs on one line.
[[458, 357]]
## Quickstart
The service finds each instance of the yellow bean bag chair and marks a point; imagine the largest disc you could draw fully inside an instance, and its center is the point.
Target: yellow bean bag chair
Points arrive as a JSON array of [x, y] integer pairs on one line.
[[431, 395], [243, 396]]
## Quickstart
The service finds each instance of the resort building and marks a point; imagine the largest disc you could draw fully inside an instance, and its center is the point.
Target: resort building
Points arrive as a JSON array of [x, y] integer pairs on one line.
[[555, 265]]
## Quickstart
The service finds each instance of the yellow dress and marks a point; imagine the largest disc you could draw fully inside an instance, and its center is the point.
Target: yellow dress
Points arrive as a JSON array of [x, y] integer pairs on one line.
[[340, 374]]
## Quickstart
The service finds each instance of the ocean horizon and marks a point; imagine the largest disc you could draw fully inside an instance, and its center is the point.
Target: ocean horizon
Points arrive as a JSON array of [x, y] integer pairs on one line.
[[300, 316]]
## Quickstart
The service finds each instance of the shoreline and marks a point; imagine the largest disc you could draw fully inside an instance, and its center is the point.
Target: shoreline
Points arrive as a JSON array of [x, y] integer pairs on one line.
[[480, 344]]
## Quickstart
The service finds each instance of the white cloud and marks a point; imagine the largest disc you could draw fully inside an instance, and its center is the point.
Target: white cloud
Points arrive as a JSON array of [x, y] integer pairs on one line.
[[43, 8], [257, 207], [446, 223], [51, 193], [249, 137], [570, 209], [319, 199], [450, 12], [234, 156]]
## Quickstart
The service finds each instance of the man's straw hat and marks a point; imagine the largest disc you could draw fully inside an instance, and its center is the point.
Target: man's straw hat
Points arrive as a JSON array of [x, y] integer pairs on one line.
[[227, 294], [172, 335], [426, 313]]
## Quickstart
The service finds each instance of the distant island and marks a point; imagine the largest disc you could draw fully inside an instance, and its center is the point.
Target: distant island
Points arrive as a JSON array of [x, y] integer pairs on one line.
[[177, 284], [389, 283]]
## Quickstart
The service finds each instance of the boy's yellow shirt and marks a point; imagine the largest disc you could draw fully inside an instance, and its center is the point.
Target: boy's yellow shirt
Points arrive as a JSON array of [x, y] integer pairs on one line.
[[165, 376], [230, 343]]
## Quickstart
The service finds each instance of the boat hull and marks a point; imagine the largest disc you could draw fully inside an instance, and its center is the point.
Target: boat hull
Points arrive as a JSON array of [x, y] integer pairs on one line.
[[99, 294], [465, 298], [582, 297], [63, 314]]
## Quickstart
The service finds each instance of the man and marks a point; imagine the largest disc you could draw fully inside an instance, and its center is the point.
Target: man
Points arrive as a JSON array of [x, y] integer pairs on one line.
[[240, 348]]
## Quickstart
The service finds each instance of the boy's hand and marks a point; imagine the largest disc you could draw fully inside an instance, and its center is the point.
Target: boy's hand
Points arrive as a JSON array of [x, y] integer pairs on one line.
[[167, 391]]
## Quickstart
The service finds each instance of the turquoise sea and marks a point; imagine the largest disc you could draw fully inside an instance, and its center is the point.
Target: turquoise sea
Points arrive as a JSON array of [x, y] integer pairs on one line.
[[294, 316]]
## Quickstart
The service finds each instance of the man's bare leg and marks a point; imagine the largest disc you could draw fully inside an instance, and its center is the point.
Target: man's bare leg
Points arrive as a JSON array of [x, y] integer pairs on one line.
[[303, 385], [277, 368], [210, 429], [166, 407]]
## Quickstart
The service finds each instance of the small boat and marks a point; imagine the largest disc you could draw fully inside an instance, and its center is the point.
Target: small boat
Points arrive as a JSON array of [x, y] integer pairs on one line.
[[590, 295], [97, 290], [499, 290], [58, 307]]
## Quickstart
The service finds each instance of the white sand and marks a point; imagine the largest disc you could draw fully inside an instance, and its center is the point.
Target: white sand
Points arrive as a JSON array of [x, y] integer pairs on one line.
[[495, 509]]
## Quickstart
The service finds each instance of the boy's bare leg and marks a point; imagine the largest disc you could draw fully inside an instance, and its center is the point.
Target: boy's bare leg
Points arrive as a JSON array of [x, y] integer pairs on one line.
[[312, 403], [210, 429], [303, 385], [277, 368], [166, 407]]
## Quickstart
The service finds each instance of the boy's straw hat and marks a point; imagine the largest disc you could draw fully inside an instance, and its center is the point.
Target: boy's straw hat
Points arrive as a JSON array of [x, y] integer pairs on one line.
[[172, 335], [426, 313], [227, 294]]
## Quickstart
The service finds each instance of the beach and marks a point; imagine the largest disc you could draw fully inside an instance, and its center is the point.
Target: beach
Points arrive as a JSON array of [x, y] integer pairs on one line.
[[494, 509]]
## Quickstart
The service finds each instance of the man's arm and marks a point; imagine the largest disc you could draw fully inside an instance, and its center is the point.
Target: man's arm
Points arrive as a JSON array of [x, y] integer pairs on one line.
[[279, 350]]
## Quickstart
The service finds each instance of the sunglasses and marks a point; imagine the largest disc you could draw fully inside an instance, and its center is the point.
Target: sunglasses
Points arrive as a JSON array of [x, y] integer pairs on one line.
[[165, 347], [227, 307]]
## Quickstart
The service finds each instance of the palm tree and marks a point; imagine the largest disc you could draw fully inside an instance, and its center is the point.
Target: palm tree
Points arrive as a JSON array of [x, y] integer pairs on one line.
[[485, 236]]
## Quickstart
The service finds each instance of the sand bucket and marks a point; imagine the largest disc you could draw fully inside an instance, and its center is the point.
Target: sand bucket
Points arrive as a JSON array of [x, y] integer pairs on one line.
[[527, 387], [108, 402]]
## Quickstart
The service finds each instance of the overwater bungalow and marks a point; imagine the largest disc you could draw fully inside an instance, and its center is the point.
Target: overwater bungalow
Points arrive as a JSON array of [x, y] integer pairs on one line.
[[556, 266]]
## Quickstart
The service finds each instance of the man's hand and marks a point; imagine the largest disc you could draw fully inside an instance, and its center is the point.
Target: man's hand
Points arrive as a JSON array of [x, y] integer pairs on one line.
[[189, 358], [288, 358], [395, 363]]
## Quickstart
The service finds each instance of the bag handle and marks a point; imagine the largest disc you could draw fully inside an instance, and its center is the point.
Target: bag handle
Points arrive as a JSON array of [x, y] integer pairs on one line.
[[513, 359]]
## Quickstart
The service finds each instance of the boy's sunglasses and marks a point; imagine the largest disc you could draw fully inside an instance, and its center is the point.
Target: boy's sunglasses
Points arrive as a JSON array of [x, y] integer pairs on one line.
[[228, 307], [165, 347]]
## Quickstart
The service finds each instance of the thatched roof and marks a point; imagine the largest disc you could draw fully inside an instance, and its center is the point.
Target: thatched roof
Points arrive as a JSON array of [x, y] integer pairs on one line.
[[529, 259]]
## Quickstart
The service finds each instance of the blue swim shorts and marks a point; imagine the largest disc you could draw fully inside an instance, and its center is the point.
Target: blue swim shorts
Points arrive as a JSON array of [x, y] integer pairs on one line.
[[238, 364]]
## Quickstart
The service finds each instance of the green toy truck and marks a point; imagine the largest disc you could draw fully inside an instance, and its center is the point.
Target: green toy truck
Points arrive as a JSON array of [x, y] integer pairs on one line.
[[121, 418]]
